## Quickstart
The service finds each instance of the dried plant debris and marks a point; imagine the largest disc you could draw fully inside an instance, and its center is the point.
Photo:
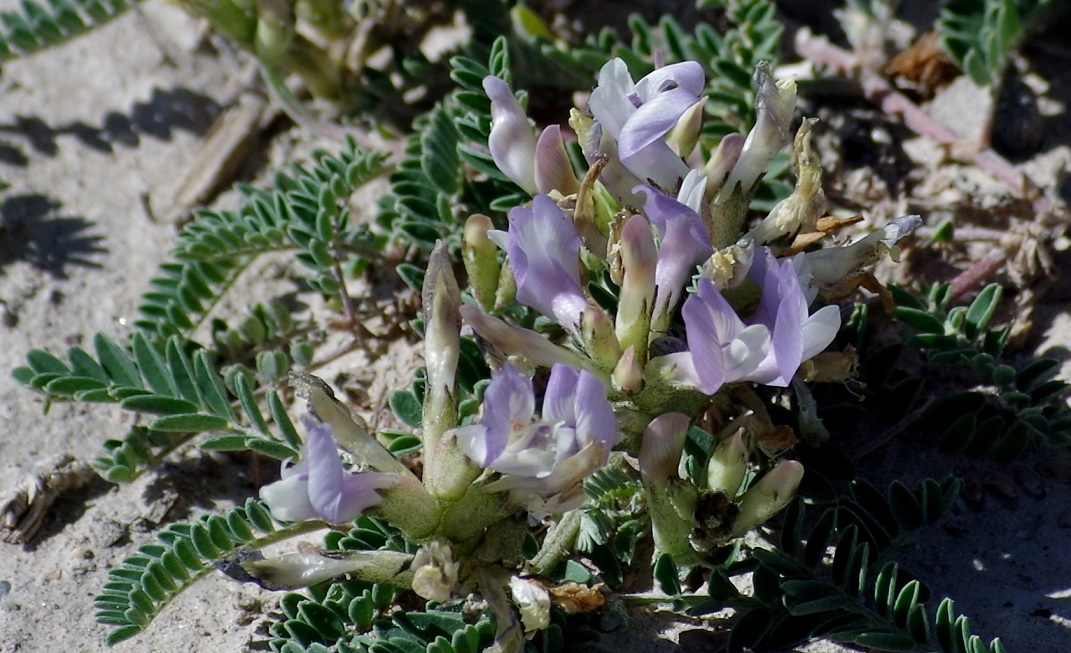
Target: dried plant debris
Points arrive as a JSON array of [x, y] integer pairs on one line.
[[24, 507]]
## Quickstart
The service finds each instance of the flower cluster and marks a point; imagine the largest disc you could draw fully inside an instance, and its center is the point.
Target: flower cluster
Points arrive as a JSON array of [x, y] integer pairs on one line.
[[695, 310], [542, 460]]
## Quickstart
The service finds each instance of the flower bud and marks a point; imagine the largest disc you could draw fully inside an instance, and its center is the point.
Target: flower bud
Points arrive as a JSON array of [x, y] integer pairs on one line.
[[831, 266], [553, 169], [670, 501], [685, 134], [775, 102], [728, 267], [296, 570], [512, 141], [600, 341], [275, 31], [447, 473], [480, 256], [510, 340], [799, 212], [663, 444], [627, 376], [767, 497], [728, 464], [594, 210], [350, 435], [636, 301], [721, 163]]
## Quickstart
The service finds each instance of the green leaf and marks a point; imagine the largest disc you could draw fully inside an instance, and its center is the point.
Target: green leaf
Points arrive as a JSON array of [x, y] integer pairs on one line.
[[1036, 373], [229, 442], [182, 370], [70, 386], [152, 367], [412, 275], [157, 405], [919, 319], [43, 362], [749, 630], [667, 575], [282, 419], [818, 541], [121, 370], [209, 386], [956, 437], [190, 422], [887, 641], [905, 506], [23, 375], [918, 624], [906, 600], [820, 605], [1014, 441], [244, 390], [270, 448], [981, 310], [407, 408]]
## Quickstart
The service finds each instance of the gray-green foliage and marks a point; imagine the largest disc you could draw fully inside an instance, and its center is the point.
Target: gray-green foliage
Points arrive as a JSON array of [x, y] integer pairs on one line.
[[980, 34], [146, 582], [857, 595], [1010, 406], [38, 26], [305, 212]]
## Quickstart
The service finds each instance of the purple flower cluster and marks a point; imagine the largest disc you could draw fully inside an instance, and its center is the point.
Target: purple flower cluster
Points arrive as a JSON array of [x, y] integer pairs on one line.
[[542, 459], [636, 127], [769, 346], [633, 118]]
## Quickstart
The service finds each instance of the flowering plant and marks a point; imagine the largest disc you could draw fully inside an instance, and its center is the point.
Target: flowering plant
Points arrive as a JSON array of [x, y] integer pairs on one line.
[[696, 313], [629, 373]]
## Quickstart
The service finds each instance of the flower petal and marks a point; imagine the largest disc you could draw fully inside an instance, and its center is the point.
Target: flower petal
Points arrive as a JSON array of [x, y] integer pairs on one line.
[[723, 349], [819, 330], [553, 170], [558, 399], [686, 75], [512, 142], [544, 252], [610, 102], [336, 496], [595, 420], [509, 401], [288, 499]]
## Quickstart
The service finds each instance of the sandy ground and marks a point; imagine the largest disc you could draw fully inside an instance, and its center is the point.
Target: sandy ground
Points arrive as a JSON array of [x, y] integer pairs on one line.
[[87, 131]]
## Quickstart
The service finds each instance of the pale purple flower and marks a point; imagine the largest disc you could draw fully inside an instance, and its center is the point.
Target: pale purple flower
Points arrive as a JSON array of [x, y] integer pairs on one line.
[[545, 458], [536, 165], [683, 241], [796, 335], [544, 253], [768, 347], [721, 348], [318, 487], [638, 115]]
